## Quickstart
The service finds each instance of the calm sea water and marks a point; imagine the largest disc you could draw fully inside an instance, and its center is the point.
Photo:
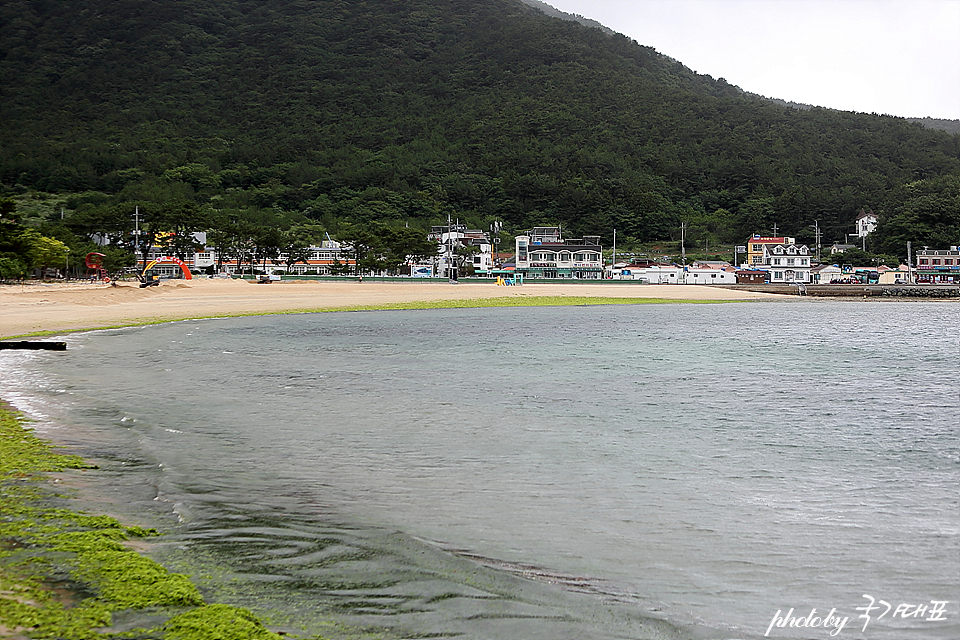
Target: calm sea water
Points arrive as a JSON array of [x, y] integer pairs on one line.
[[580, 472]]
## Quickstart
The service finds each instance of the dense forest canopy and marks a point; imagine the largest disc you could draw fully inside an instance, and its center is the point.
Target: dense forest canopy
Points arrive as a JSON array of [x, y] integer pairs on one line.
[[338, 113]]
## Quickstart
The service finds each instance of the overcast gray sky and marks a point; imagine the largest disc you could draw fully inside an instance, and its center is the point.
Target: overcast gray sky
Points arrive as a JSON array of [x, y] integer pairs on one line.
[[897, 57]]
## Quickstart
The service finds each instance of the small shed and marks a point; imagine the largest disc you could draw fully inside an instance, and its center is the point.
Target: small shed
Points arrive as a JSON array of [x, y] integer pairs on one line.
[[752, 276]]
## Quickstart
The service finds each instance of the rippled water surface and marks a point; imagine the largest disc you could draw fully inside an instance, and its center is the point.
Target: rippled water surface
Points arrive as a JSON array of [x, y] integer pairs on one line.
[[579, 472]]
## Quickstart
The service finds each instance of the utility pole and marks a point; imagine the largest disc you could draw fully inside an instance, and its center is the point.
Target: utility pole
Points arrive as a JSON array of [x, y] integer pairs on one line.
[[136, 233], [816, 231], [495, 227], [909, 264], [613, 263], [774, 229], [683, 237], [451, 269]]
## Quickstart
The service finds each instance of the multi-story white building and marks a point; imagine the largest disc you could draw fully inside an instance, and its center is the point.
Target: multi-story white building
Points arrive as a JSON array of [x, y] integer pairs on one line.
[[453, 240], [787, 262], [543, 253], [755, 247]]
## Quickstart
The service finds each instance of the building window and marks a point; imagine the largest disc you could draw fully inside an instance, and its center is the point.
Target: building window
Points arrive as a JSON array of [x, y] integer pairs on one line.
[[923, 261], [777, 275], [790, 261], [936, 261]]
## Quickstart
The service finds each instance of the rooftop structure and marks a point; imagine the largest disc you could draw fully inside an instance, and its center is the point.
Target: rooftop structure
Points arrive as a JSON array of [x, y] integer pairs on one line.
[[756, 244]]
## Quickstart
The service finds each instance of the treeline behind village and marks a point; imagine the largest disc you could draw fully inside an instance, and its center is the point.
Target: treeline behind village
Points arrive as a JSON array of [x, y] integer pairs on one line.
[[332, 117]]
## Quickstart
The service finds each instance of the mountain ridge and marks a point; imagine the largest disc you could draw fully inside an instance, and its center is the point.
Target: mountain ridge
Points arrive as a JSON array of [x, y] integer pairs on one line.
[[373, 110], [942, 124]]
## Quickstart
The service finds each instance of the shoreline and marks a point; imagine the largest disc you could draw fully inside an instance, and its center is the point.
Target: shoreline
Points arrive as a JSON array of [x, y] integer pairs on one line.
[[80, 572], [49, 308]]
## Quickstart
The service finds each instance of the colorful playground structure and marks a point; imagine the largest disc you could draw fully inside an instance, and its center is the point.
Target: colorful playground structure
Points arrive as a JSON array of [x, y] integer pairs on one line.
[[149, 278], [95, 270]]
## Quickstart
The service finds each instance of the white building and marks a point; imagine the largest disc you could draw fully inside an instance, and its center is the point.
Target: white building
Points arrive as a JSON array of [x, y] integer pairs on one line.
[[673, 274], [786, 262], [322, 260], [543, 253], [866, 223], [457, 237], [825, 274]]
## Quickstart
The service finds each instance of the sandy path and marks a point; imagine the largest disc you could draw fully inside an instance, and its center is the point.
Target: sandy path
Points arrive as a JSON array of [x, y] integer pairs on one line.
[[60, 307]]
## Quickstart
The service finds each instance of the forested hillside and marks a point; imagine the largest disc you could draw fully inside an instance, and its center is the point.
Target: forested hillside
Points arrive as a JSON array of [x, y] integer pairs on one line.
[[404, 111]]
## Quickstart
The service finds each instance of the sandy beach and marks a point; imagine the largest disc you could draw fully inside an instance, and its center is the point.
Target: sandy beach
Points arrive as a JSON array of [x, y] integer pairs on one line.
[[36, 307]]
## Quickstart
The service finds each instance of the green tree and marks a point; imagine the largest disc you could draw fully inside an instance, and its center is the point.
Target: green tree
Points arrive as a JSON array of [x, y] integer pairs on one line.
[[180, 221], [12, 268], [363, 242], [23, 248], [297, 242], [926, 213], [43, 252], [117, 259], [267, 242], [860, 258]]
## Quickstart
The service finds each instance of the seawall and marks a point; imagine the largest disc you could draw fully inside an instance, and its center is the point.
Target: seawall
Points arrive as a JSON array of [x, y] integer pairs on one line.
[[924, 291]]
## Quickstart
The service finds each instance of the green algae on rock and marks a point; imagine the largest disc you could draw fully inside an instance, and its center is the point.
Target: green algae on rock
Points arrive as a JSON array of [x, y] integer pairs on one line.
[[63, 574], [217, 621]]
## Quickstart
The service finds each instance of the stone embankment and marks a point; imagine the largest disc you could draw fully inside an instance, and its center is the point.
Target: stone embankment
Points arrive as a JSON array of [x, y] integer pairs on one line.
[[924, 291]]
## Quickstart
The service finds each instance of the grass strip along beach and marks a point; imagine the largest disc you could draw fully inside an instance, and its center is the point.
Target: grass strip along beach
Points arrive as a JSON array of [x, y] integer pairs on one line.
[[67, 574]]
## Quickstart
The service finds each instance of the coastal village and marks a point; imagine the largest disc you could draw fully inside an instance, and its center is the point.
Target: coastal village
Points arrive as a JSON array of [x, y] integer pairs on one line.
[[544, 254]]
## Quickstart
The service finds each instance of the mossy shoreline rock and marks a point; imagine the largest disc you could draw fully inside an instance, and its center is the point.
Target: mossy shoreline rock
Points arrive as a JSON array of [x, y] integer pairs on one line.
[[64, 574]]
